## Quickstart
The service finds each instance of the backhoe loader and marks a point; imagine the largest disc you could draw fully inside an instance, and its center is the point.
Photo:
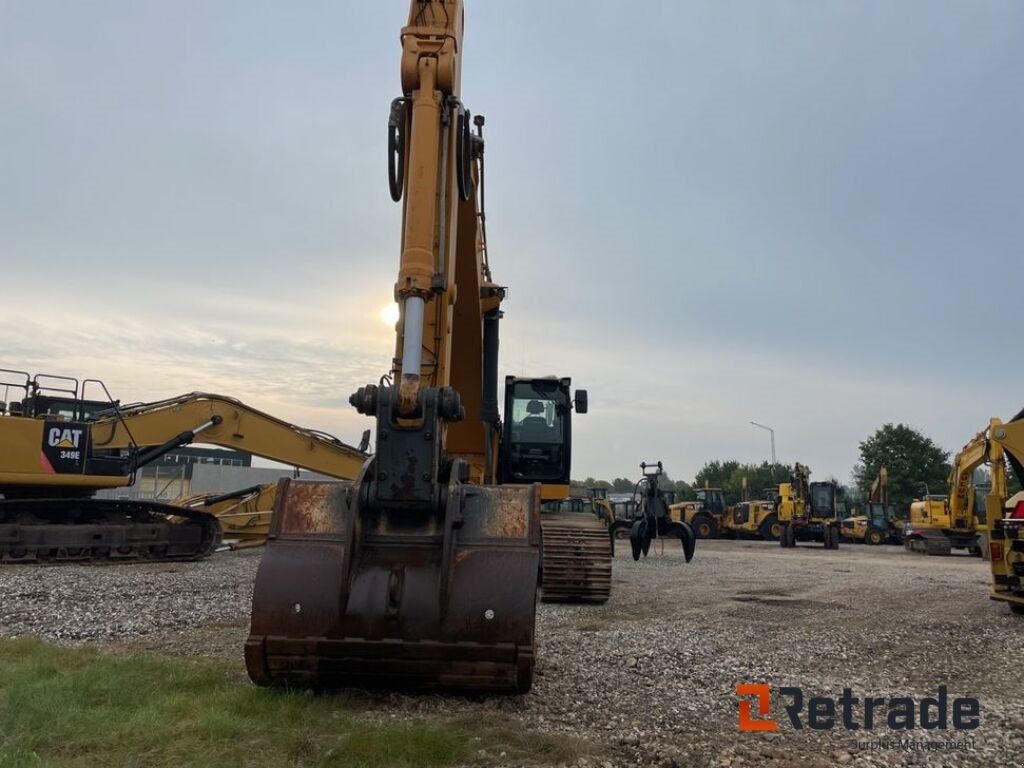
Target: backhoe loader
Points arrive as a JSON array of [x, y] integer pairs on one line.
[[654, 518], [808, 511], [423, 571], [879, 522], [60, 448]]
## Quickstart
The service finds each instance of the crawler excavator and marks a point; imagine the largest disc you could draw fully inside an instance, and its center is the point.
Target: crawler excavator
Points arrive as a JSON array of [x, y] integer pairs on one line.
[[938, 525], [423, 571], [59, 449]]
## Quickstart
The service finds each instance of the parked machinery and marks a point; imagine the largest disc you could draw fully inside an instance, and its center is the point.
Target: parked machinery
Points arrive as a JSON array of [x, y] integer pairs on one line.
[[879, 522], [940, 524], [60, 448], [653, 517], [423, 572], [601, 505], [244, 515], [706, 516], [758, 518], [808, 512], [1004, 444]]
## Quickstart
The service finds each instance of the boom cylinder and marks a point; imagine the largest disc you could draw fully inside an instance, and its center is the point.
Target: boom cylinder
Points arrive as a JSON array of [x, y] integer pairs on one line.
[[412, 354]]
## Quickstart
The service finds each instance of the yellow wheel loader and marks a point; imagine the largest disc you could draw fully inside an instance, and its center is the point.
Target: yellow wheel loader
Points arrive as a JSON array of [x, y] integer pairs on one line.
[[705, 516], [757, 519], [423, 572], [60, 448], [808, 512]]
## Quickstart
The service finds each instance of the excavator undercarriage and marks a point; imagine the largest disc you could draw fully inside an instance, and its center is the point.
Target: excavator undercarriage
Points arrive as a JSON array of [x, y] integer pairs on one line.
[[82, 529]]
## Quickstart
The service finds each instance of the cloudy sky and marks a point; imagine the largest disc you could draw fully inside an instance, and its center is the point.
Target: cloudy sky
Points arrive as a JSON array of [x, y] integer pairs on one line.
[[808, 214]]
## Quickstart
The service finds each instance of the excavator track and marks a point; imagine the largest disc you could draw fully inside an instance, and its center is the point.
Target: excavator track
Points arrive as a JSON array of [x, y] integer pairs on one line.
[[103, 530], [577, 558]]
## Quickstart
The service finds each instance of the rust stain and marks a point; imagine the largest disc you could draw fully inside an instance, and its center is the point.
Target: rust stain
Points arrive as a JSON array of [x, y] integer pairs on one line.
[[506, 513], [314, 508]]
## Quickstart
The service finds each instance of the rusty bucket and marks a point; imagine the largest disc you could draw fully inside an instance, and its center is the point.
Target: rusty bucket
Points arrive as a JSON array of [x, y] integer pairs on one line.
[[351, 596]]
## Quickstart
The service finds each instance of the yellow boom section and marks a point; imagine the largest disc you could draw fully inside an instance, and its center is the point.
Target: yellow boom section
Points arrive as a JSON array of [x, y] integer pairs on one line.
[[236, 425]]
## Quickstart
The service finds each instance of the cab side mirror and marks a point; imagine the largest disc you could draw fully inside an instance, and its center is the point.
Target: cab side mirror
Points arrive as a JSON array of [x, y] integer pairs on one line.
[[581, 401]]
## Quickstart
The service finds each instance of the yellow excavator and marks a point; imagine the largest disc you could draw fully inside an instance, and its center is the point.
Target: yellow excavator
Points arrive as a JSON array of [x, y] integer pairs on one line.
[[940, 524], [60, 448], [1006, 532], [423, 571], [879, 522], [244, 514]]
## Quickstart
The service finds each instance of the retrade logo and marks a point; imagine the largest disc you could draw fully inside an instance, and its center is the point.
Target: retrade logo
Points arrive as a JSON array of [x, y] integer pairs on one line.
[[854, 712], [763, 694]]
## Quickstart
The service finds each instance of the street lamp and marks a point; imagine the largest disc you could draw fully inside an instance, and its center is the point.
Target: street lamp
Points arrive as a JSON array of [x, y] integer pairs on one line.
[[772, 431]]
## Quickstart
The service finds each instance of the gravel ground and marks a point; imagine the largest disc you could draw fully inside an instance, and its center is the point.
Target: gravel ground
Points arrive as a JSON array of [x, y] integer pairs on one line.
[[649, 678]]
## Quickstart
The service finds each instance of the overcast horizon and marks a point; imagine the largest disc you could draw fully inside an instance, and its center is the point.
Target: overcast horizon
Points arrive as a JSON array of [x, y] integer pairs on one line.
[[707, 213]]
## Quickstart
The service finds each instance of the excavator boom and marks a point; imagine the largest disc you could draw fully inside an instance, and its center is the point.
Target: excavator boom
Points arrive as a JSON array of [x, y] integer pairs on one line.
[[420, 573]]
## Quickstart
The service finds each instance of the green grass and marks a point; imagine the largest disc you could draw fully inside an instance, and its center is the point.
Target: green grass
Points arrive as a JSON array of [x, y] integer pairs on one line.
[[72, 708]]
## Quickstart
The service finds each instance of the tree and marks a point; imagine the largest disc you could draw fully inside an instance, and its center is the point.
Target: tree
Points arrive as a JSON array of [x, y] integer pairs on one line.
[[911, 458], [684, 491], [729, 475], [623, 485]]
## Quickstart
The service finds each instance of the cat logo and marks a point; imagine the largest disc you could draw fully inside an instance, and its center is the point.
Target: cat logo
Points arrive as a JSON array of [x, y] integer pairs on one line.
[[64, 438]]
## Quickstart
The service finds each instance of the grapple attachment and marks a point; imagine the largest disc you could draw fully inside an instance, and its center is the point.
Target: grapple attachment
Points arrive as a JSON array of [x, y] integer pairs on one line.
[[353, 591]]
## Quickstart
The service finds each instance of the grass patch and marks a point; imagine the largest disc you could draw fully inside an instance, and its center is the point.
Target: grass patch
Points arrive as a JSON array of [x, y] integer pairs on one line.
[[77, 708], [522, 746]]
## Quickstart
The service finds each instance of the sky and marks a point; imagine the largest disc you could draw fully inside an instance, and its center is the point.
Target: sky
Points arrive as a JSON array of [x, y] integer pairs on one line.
[[806, 214]]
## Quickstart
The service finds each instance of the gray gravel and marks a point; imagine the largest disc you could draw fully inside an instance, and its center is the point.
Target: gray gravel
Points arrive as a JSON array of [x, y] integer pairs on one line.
[[650, 677]]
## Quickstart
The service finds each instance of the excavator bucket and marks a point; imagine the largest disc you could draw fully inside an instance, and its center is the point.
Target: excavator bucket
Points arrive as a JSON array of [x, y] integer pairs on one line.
[[352, 596]]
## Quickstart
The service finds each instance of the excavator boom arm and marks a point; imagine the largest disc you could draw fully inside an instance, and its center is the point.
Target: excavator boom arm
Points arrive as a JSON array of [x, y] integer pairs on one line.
[[228, 423]]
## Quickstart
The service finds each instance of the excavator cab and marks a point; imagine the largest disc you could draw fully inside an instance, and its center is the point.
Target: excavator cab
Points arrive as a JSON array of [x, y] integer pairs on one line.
[[536, 444]]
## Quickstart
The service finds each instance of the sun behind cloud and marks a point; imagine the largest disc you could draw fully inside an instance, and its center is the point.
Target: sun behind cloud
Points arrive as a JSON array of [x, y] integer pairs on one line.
[[388, 315]]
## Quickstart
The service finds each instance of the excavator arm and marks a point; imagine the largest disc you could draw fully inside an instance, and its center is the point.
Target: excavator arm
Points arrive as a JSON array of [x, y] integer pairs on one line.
[[149, 430], [419, 573]]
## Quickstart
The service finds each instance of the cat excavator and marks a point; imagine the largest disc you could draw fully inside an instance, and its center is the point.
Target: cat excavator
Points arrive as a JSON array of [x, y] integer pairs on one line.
[[423, 571], [938, 525], [60, 448]]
